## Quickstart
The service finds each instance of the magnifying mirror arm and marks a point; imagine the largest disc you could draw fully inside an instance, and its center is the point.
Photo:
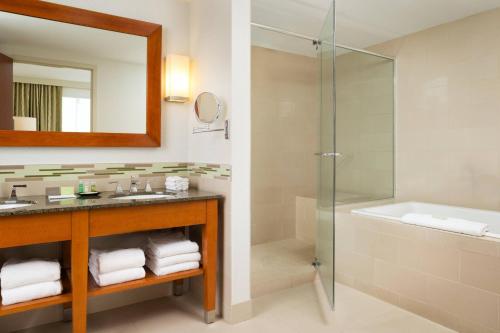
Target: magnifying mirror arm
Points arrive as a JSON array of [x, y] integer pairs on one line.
[[198, 130]]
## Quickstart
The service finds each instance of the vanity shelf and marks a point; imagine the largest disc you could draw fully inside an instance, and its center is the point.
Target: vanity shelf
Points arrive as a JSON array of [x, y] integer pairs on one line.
[[149, 280], [64, 298]]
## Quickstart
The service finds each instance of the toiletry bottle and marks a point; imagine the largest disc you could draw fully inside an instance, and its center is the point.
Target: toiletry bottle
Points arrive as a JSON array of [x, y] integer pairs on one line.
[[148, 187], [93, 187], [87, 187], [81, 187]]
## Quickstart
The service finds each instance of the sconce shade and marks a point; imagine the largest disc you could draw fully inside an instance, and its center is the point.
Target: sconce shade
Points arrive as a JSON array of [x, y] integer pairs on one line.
[[177, 78]]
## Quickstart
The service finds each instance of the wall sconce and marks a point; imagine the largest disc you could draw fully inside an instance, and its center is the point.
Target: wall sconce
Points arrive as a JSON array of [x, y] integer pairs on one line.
[[177, 78]]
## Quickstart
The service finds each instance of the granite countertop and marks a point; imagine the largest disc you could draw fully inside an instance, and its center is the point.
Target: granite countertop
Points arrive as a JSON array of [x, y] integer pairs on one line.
[[104, 200]]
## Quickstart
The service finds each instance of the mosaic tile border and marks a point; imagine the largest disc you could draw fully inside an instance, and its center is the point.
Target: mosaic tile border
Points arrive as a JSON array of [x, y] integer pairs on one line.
[[75, 172]]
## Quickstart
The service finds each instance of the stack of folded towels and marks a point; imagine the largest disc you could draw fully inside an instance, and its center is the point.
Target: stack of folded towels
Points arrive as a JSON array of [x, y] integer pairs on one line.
[[116, 266], [176, 183], [169, 253], [27, 280]]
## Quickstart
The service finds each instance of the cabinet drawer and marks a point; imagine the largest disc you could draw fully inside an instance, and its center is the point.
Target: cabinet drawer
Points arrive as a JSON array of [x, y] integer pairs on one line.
[[110, 221], [34, 229]]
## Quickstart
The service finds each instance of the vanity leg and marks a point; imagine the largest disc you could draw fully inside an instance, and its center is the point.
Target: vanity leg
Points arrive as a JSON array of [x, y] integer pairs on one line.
[[66, 265], [209, 254], [79, 275], [178, 287], [67, 313], [209, 316]]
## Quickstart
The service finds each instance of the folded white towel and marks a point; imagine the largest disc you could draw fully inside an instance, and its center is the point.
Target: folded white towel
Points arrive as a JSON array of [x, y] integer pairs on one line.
[[177, 179], [177, 188], [61, 197], [121, 276], [31, 292], [16, 273], [178, 259], [107, 261], [168, 246], [176, 183], [449, 224], [160, 271]]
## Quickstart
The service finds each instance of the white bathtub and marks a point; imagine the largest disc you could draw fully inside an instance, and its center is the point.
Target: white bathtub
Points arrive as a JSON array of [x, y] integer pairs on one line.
[[396, 212]]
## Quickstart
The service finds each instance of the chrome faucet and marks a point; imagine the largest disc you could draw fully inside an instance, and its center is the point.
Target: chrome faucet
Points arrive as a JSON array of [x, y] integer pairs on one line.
[[13, 193], [134, 182], [119, 188]]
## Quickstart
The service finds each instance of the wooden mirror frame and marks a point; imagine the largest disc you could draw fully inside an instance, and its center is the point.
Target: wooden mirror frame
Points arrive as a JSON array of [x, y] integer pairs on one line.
[[87, 18]]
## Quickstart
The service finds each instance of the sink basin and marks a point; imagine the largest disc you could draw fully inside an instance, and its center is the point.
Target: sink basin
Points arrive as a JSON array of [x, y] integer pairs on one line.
[[15, 204], [144, 197]]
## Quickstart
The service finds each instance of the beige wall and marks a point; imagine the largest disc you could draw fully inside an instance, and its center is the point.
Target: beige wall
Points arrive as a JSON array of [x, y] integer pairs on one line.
[[364, 126], [284, 139], [448, 112]]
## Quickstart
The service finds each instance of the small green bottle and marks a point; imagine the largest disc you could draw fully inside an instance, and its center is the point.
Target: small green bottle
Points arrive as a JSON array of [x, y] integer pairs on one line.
[[81, 187]]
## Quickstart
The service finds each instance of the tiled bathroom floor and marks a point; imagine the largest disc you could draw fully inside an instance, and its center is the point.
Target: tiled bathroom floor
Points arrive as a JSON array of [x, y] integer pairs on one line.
[[281, 265], [295, 310]]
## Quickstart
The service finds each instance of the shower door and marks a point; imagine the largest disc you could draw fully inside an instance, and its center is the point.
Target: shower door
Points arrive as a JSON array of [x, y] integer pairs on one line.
[[325, 210]]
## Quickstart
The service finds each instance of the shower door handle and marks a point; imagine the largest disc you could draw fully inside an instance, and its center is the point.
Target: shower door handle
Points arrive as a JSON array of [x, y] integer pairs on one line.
[[328, 154]]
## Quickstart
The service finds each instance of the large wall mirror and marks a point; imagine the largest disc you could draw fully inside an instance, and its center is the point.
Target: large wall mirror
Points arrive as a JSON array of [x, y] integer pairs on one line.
[[72, 77]]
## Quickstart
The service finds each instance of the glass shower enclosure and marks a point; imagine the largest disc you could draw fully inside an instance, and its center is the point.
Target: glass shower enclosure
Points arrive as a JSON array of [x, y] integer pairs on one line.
[[325, 204], [356, 143]]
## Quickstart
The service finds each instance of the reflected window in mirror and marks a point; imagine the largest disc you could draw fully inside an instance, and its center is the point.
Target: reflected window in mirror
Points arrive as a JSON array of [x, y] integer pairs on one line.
[[76, 110], [58, 97]]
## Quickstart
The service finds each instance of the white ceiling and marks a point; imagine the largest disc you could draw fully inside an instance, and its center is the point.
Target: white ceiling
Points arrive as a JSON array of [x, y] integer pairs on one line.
[[52, 73], [360, 23], [32, 32]]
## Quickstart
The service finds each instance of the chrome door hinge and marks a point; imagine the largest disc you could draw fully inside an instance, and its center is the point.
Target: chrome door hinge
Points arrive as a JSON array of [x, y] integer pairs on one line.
[[316, 263]]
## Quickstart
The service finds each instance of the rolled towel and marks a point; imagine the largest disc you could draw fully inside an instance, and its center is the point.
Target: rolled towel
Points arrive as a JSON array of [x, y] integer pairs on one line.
[[449, 224], [415, 218], [160, 271], [167, 246], [17, 273], [121, 276], [107, 261], [466, 227], [178, 259], [31, 292]]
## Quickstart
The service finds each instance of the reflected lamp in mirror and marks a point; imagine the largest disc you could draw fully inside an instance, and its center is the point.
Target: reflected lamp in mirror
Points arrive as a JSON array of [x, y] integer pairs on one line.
[[24, 124], [177, 78]]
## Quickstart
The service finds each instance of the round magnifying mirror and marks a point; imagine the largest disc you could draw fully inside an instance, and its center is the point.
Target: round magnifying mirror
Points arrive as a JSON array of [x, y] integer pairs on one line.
[[207, 108]]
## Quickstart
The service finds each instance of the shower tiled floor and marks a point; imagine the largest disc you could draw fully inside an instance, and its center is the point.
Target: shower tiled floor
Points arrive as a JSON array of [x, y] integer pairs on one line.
[[281, 265]]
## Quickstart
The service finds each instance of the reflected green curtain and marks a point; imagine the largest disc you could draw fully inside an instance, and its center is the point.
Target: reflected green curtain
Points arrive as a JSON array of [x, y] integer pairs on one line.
[[40, 101]]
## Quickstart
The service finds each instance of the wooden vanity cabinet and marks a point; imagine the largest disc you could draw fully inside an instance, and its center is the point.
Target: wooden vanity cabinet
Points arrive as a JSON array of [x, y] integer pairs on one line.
[[76, 227]]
